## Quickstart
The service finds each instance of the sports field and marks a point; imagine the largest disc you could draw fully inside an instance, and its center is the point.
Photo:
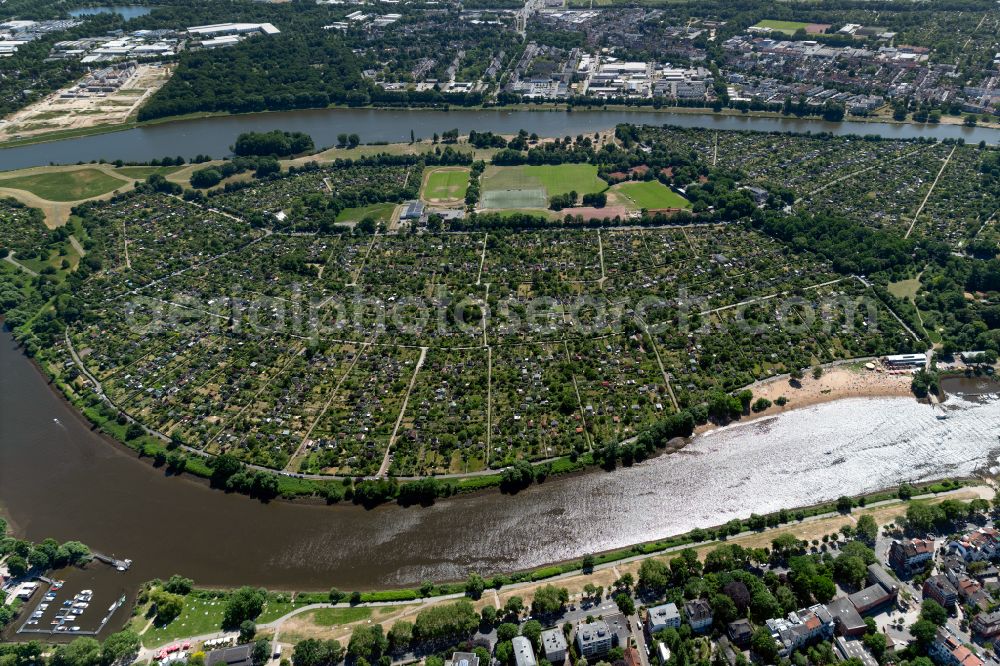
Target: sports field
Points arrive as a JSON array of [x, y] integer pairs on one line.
[[787, 27], [651, 194], [532, 186], [445, 184], [65, 185], [381, 212]]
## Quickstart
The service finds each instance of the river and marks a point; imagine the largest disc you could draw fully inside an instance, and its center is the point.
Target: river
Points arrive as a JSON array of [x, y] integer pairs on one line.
[[213, 135], [59, 479]]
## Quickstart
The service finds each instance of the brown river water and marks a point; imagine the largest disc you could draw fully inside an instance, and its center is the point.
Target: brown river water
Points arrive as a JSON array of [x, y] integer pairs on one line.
[[59, 479]]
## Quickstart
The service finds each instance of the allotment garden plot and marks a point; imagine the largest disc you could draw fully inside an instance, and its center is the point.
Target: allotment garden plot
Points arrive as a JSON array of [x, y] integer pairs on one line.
[[297, 345]]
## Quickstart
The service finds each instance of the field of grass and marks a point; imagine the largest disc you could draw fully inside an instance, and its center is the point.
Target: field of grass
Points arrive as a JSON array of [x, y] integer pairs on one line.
[[787, 27], [514, 199], [380, 211], [143, 172], [445, 184], [652, 194], [65, 185], [199, 616], [554, 180], [905, 288], [332, 617]]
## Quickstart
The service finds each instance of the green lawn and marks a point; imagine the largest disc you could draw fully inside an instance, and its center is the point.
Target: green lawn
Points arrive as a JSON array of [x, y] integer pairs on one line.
[[445, 184], [558, 179], [381, 211], [905, 288], [652, 194], [787, 27], [200, 616], [144, 172], [332, 617], [65, 185]]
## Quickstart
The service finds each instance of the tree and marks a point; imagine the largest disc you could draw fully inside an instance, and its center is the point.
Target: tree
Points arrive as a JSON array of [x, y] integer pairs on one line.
[[335, 596], [850, 570], [876, 644], [506, 631], [81, 652], [654, 576], [532, 630], [120, 648], [867, 529], [475, 585], [549, 600], [178, 585], [489, 615], [514, 606], [367, 642], [400, 636], [844, 504], [205, 178], [245, 603], [764, 646], [260, 654], [588, 563], [924, 632], [248, 629], [167, 606], [934, 612], [625, 604], [315, 652]]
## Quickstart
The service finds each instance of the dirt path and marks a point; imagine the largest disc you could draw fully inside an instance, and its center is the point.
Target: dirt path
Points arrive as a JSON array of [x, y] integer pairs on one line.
[[923, 203], [384, 468]]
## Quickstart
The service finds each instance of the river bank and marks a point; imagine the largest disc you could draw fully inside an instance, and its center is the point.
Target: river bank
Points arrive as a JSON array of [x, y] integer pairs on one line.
[[836, 383], [62, 480], [131, 123], [212, 134]]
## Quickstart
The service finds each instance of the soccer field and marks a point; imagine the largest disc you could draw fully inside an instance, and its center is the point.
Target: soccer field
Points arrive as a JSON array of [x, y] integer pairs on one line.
[[445, 184], [787, 27], [504, 199], [532, 186], [651, 194]]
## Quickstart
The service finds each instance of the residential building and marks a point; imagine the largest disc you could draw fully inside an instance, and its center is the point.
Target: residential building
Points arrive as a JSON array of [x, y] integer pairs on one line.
[[464, 659], [909, 557], [632, 657], [740, 632], [593, 639], [947, 649], [977, 546], [524, 655], [987, 625], [660, 617], [699, 615], [940, 589], [972, 593], [801, 628], [554, 646]]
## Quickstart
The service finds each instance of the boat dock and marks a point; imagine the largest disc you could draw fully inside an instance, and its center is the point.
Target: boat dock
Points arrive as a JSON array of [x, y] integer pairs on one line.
[[121, 565]]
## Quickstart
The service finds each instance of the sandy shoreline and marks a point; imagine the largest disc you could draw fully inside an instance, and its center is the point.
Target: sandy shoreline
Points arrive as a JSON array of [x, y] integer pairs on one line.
[[835, 384]]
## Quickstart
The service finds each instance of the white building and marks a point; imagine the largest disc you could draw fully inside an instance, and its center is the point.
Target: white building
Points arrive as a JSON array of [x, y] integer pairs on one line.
[[554, 646], [661, 617], [524, 655]]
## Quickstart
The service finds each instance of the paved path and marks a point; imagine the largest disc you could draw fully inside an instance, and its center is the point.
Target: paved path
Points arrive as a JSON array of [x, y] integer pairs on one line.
[[10, 259], [982, 491]]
